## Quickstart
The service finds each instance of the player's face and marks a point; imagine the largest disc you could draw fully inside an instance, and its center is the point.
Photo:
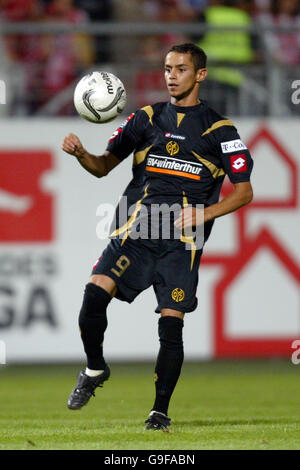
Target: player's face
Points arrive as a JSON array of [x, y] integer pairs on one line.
[[181, 77]]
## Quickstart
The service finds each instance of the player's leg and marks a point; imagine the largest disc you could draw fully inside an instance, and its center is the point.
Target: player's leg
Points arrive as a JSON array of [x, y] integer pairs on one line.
[[175, 288], [93, 323], [123, 271], [168, 366], [93, 320]]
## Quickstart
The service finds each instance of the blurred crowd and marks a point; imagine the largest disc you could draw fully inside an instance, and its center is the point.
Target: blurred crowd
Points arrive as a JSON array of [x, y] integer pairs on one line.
[[45, 64]]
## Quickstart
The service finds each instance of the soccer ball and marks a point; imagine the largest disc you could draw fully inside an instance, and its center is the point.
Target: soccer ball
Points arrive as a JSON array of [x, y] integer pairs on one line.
[[99, 97]]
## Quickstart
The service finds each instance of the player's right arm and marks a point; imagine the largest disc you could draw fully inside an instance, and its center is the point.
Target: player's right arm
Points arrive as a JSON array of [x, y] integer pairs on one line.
[[96, 165], [123, 141]]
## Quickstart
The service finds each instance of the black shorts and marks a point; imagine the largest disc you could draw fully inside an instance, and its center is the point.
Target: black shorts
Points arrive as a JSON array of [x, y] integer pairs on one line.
[[167, 265]]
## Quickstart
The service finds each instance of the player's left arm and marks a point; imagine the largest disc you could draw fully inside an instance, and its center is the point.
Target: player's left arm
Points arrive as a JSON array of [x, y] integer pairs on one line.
[[237, 163], [241, 195]]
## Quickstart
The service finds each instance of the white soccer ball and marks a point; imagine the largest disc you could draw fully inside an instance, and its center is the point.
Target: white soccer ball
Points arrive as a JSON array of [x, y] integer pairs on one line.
[[99, 97]]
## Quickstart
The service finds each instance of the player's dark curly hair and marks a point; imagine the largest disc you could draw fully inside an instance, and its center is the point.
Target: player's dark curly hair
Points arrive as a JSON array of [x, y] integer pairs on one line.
[[198, 55]]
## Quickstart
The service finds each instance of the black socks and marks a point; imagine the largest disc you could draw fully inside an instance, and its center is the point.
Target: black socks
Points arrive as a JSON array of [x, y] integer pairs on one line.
[[93, 323], [169, 361]]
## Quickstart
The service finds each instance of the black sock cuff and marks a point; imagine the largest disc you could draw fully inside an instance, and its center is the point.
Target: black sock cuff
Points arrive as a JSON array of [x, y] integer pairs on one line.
[[170, 330], [170, 321], [98, 295]]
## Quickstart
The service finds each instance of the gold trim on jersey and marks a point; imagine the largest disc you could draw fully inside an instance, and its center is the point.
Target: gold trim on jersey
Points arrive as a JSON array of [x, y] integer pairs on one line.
[[130, 221], [189, 240], [215, 171], [140, 156], [149, 111], [216, 125], [180, 116]]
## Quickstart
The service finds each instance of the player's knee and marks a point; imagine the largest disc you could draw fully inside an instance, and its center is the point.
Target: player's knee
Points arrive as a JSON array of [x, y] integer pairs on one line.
[[105, 282], [95, 302], [170, 332]]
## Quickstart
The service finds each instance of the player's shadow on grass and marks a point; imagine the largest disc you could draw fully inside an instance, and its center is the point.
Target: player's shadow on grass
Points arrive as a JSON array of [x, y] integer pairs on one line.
[[230, 422]]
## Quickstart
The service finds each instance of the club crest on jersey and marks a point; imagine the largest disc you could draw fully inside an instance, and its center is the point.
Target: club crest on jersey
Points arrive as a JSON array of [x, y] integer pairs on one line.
[[172, 148], [178, 294]]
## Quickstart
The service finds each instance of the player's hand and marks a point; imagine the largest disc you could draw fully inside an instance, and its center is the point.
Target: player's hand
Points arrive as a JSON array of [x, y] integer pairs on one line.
[[190, 217], [73, 146]]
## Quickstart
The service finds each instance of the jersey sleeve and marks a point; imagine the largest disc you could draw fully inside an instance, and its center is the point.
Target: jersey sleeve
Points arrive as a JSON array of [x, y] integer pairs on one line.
[[126, 138], [234, 155]]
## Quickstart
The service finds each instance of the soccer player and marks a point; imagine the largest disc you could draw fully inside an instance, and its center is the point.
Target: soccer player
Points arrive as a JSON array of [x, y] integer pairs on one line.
[[182, 151]]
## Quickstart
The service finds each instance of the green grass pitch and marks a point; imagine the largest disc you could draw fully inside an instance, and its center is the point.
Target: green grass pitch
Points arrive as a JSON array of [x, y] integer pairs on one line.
[[216, 405]]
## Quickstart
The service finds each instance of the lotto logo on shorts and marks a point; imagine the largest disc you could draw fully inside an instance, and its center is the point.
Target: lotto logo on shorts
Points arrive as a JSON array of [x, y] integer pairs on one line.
[[96, 262], [238, 163], [26, 207], [178, 294]]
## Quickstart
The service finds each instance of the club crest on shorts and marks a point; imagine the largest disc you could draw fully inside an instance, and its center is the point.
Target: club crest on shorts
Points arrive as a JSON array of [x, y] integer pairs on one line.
[[178, 294], [172, 147]]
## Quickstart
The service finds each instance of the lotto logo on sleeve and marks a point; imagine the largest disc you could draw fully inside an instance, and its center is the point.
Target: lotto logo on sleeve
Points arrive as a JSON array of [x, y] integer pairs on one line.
[[238, 163], [233, 146], [26, 204], [119, 130]]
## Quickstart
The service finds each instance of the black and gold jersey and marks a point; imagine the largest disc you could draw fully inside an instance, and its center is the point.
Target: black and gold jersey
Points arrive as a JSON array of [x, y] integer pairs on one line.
[[180, 151]]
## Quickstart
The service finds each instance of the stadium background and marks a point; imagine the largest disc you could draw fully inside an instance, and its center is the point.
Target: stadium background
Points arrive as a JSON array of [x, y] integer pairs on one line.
[[250, 274], [249, 281]]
